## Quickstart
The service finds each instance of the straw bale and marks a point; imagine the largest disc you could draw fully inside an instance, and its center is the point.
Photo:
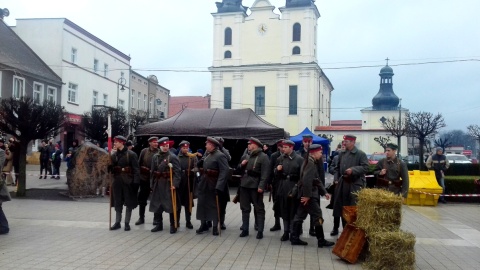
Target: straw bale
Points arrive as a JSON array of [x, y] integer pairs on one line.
[[378, 211], [391, 250]]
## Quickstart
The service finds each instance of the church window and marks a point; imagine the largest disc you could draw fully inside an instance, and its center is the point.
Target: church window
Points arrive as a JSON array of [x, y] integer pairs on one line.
[[297, 32], [296, 50], [227, 54], [260, 100], [292, 100], [227, 97], [228, 36]]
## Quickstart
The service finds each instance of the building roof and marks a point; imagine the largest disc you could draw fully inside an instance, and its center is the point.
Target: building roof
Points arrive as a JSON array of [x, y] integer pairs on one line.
[[17, 55], [346, 123], [193, 102], [344, 128]]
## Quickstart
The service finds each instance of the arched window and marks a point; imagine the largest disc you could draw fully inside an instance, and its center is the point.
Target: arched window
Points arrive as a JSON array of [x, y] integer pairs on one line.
[[228, 36], [296, 50], [227, 54], [297, 32]]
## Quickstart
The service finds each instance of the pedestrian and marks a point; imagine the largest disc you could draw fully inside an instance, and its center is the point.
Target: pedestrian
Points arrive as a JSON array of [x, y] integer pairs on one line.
[[214, 170], [164, 182], [266, 150], [68, 158], [392, 172], [188, 161], [8, 166], [129, 145], [352, 167], [56, 162], [15, 150], [309, 191], [273, 186], [252, 185], [4, 197], [51, 151], [287, 175], [44, 157], [332, 169], [145, 164], [439, 163], [126, 178]]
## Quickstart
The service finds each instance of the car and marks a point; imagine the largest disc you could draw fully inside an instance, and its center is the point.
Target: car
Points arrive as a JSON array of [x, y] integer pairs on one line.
[[459, 159], [411, 159], [375, 157]]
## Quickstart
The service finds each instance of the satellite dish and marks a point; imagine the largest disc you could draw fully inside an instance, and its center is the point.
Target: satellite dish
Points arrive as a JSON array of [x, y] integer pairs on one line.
[[6, 12]]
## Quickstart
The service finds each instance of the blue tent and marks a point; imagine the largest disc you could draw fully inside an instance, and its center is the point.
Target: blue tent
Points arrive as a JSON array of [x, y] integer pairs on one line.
[[297, 139]]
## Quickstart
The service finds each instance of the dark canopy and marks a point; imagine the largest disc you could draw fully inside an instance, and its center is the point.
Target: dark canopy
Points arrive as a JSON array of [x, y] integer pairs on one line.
[[229, 124]]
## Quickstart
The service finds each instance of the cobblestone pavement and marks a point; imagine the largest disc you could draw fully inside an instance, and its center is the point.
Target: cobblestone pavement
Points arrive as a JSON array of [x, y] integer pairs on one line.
[[48, 234]]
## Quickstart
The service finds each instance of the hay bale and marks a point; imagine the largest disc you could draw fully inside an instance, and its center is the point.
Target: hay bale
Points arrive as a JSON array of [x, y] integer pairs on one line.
[[378, 211], [391, 250]]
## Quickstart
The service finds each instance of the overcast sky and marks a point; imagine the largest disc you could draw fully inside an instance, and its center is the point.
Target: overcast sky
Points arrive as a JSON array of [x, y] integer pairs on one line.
[[178, 35]]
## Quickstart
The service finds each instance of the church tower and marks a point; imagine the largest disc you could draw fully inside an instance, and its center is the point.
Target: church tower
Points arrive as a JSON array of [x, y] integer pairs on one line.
[[268, 62]]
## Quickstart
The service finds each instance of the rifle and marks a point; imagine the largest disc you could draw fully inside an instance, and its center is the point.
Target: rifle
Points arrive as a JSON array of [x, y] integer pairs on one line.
[[174, 196], [218, 213], [190, 193]]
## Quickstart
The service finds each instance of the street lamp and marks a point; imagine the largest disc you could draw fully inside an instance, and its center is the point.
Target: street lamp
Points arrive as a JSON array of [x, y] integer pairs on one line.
[[121, 82]]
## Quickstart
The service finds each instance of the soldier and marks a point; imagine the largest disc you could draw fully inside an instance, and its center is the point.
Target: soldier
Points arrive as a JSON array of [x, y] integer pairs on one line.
[[333, 170], [309, 191], [225, 195], [273, 186], [352, 167], [287, 174], [392, 173], [214, 168], [145, 163], [188, 161], [252, 185], [126, 178], [164, 181]]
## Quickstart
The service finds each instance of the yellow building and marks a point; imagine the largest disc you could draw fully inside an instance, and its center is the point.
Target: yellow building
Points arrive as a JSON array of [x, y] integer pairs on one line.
[[268, 62]]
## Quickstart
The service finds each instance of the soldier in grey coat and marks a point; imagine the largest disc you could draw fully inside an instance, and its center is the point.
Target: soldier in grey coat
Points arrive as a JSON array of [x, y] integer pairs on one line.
[[252, 185], [392, 173], [165, 168], [214, 169], [287, 175], [352, 167], [188, 161], [126, 178]]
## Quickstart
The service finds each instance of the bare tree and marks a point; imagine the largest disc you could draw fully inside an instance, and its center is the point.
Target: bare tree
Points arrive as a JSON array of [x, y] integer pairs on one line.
[[423, 125], [397, 128], [137, 120], [28, 121], [443, 142], [95, 123], [474, 131], [382, 141]]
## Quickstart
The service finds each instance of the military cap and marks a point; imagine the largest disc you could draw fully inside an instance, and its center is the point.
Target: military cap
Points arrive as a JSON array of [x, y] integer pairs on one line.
[[163, 141], [152, 139], [255, 141], [120, 139], [349, 137], [129, 143], [392, 146], [213, 140], [307, 137], [184, 144], [220, 139], [288, 142], [279, 142], [315, 148]]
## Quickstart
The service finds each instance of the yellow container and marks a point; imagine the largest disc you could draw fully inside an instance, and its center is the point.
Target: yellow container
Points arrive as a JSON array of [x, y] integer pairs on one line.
[[423, 181]]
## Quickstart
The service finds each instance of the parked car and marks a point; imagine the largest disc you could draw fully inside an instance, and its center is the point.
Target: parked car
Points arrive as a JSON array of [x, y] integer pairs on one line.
[[411, 159], [375, 157], [456, 158]]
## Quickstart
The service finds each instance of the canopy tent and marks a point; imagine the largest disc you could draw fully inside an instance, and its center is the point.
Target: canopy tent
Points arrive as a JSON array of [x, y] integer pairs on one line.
[[229, 124], [297, 139]]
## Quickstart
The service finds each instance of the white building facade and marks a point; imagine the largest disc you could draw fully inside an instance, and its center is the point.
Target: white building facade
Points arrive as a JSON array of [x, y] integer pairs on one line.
[[268, 62], [93, 72]]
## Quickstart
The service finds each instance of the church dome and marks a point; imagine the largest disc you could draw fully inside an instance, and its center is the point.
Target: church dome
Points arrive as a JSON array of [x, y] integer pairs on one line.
[[385, 99], [386, 70]]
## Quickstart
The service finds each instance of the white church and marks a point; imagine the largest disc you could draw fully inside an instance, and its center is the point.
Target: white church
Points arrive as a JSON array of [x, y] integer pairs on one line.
[[268, 62]]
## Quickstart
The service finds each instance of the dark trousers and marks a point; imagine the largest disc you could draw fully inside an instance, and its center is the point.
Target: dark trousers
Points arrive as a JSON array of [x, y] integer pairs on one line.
[[3, 222], [312, 209], [249, 196], [143, 193], [43, 166]]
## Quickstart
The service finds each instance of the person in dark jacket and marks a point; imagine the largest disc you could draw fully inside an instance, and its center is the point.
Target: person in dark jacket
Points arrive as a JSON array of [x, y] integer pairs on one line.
[[56, 162], [145, 163], [332, 169], [309, 191], [287, 175], [252, 185], [44, 157], [126, 178], [214, 172], [165, 177], [225, 198], [277, 211], [439, 163], [392, 173], [352, 167]]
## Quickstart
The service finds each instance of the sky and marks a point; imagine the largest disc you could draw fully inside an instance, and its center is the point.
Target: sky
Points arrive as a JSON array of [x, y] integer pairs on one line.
[[433, 47]]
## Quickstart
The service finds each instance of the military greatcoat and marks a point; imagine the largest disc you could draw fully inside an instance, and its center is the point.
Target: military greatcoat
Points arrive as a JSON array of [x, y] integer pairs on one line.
[[161, 200], [126, 174], [285, 180], [187, 177]]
